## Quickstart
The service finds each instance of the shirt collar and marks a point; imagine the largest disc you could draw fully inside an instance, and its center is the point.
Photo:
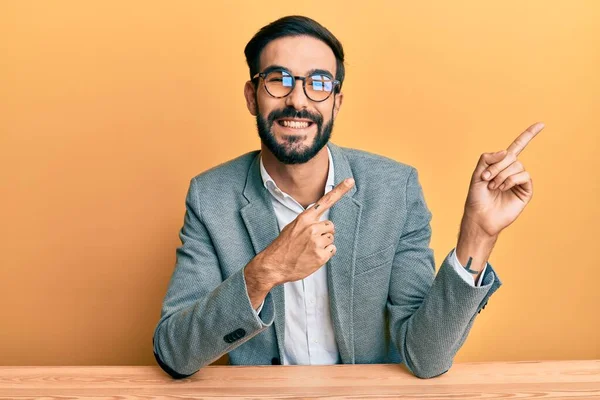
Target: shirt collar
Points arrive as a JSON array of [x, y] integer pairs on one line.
[[268, 181]]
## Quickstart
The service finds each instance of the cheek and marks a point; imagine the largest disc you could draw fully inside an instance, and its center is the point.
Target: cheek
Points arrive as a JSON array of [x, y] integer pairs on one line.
[[325, 110], [267, 105]]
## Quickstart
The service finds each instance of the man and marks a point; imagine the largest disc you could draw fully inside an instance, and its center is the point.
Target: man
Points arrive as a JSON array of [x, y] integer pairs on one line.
[[309, 253]]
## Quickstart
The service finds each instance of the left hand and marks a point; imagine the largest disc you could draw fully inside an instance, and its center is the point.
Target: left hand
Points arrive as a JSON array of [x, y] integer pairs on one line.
[[496, 200]]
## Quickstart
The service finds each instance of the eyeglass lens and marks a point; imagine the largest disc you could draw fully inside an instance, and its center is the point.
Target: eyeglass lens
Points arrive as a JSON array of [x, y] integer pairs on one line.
[[280, 83]]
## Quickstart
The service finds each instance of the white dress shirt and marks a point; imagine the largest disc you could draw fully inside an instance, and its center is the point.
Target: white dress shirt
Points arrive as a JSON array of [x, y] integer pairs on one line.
[[309, 337]]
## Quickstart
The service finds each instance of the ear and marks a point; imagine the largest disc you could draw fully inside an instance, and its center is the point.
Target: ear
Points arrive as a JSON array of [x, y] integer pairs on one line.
[[339, 97], [250, 94]]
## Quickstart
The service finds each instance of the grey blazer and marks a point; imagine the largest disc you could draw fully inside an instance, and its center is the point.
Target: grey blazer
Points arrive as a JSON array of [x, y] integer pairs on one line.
[[387, 303]]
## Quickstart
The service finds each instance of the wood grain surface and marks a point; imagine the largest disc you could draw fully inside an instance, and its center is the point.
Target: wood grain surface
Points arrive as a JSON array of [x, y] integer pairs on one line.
[[493, 380]]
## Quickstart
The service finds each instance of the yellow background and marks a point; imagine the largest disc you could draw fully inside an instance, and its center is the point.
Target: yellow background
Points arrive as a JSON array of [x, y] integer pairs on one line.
[[108, 108]]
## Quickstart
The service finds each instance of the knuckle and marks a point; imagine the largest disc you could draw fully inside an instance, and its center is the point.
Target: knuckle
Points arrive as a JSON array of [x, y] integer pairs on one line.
[[302, 219], [315, 246], [519, 142]]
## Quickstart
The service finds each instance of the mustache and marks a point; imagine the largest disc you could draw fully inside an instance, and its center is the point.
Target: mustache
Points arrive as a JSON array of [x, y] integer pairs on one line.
[[290, 112]]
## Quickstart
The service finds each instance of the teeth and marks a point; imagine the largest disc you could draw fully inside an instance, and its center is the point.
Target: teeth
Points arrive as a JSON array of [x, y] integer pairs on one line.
[[295, 124]]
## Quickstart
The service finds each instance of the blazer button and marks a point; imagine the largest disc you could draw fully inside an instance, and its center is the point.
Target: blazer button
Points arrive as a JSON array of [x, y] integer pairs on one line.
[[239, 333], [235, 335], [275, 361]]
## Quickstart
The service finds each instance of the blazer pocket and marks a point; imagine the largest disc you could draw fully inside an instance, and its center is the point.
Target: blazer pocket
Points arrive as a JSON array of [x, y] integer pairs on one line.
[[374, 260]]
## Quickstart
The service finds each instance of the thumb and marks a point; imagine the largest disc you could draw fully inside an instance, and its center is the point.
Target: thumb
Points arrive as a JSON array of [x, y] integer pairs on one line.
[[488, 159], [485, 161]]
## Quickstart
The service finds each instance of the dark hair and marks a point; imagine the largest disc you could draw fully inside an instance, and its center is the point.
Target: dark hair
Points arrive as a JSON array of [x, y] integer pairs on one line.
[[293, 25]]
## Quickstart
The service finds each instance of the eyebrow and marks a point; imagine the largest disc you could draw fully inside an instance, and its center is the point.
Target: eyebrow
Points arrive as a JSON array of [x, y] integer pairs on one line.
[[319, 72], [316, 71]]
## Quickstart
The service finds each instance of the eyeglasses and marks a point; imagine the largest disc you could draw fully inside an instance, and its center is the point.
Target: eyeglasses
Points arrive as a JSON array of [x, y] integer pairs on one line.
[[280, 83]]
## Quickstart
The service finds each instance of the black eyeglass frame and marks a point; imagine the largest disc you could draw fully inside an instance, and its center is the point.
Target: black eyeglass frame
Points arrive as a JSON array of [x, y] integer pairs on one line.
[[262, 75]]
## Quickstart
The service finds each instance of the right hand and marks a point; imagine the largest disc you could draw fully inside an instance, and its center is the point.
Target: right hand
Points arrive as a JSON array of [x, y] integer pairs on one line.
[[306, 243]]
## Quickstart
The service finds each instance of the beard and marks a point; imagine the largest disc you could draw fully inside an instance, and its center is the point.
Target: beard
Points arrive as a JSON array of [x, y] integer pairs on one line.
[[289, 155]]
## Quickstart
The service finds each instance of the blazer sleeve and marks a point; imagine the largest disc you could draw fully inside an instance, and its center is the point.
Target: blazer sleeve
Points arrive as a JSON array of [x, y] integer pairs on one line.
[[430, 315], [203, 316]]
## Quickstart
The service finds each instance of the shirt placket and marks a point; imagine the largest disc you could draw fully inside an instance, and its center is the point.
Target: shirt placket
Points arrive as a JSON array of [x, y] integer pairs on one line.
[[312, 341], [311, 348]]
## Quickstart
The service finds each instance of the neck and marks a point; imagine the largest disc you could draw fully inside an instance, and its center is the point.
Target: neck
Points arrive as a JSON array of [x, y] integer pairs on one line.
[[304, 182]]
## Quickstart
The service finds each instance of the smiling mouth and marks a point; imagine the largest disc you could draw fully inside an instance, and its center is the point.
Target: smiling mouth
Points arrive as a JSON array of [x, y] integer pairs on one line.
[[294, 124]]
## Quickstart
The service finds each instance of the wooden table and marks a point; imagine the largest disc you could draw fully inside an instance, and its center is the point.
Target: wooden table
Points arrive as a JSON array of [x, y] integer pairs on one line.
[[527, 379]]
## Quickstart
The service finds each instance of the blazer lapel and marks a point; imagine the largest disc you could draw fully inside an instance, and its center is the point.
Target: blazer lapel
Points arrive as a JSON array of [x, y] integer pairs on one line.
[[345, 215], [260, 220]]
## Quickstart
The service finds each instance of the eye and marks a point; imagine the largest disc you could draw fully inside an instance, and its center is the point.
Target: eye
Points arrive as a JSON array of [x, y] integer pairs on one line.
[[321, 83], [282, 78]]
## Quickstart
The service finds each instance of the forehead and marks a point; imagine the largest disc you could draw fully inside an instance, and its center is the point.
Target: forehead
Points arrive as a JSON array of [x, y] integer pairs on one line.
[[299, 54]]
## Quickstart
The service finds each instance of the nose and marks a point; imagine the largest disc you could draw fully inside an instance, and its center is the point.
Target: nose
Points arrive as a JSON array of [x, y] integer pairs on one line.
[[297, 98]]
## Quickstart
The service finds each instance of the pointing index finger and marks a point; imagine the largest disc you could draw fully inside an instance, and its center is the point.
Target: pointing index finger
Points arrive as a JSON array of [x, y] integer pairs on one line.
[[332, 197], [524, 138]]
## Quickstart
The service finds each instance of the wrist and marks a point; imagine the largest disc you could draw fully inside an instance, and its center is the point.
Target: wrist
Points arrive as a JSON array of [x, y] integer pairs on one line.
[[473, 231], [258, 275], [475, 243]]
